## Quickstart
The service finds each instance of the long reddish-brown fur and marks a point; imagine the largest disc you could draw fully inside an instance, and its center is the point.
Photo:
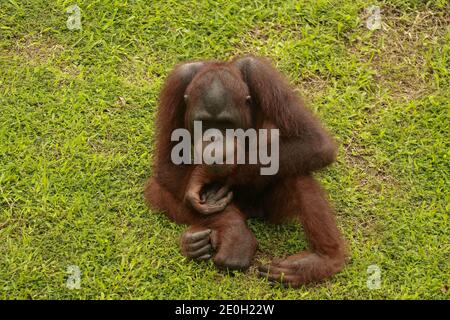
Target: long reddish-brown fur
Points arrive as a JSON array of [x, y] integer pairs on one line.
[[292, 193]]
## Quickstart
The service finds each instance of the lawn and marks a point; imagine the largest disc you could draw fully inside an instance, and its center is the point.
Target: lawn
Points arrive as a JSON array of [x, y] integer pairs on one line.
[[77, 111]]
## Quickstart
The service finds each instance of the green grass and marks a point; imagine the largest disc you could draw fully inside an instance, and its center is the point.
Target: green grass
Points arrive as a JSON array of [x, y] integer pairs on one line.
[[76, 143]]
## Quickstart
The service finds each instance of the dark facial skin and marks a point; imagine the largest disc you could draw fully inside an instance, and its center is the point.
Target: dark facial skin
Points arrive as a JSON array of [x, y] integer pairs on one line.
[[217, 107]]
